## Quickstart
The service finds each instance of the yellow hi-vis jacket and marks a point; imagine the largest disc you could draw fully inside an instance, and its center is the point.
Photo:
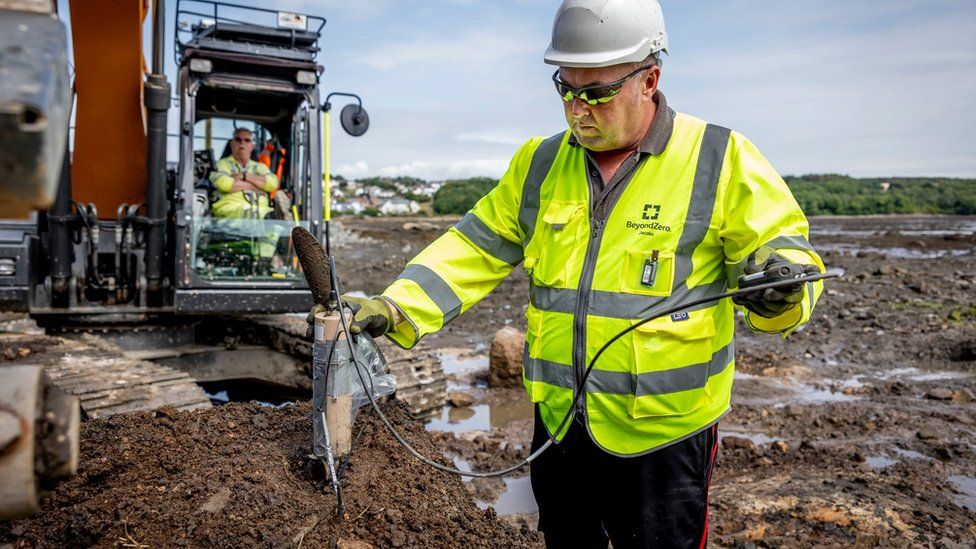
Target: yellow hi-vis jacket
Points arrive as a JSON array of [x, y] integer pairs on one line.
[[238, 203], [692, 214]]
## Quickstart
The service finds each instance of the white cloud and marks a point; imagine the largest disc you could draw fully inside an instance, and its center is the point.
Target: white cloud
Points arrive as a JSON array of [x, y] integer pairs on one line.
[[491, 138], [467, 47], [354, 170]]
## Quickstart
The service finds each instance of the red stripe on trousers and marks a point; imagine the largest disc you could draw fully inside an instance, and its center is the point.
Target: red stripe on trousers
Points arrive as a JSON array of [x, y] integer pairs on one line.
[[708, 482]]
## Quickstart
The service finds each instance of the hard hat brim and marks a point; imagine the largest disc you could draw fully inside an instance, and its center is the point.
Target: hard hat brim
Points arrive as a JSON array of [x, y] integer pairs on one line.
[[635, 54]]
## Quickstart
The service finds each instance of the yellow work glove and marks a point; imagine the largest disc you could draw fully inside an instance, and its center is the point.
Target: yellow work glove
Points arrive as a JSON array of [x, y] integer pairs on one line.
[[371, 315], [765, 265]]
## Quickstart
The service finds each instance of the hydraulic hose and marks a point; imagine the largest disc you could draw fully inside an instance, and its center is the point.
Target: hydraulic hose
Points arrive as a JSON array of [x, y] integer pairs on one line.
[[578, 391]]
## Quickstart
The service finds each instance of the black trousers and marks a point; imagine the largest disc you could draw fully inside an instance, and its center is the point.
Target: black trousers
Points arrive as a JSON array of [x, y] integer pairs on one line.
[[588, 497]]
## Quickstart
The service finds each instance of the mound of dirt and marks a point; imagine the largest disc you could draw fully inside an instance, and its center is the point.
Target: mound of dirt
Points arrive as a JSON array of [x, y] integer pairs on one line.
[[240, 476]]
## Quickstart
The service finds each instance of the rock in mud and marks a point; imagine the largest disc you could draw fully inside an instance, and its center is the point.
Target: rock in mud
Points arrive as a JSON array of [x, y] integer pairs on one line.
[[353, 544], [460, 400], [419, 226], [963, 396], [734, 443], [940, 393], [505, 358]]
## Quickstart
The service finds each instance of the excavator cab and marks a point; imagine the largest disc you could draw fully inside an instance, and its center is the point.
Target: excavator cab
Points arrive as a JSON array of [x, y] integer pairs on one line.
[[255, 69]]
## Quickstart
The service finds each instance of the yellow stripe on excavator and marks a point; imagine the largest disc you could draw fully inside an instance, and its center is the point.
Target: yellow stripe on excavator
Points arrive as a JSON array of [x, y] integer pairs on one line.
[[326, 175]]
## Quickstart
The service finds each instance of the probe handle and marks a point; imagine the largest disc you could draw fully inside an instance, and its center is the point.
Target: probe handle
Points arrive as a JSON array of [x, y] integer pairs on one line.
[[785, 271]]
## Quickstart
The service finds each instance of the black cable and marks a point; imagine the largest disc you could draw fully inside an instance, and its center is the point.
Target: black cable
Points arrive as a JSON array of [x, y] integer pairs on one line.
[[578, 391]]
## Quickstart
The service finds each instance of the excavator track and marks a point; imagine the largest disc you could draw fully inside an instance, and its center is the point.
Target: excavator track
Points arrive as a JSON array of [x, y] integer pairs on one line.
[[85, 362], [104, 380]]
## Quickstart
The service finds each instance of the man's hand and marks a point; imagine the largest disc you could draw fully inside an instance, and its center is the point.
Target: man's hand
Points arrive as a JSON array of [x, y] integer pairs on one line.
[[310, 319], [764, 265], [371, 315]]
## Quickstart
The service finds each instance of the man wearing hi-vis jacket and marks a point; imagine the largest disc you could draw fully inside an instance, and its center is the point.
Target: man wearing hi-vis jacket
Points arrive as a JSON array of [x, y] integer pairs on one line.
[[635, 209]]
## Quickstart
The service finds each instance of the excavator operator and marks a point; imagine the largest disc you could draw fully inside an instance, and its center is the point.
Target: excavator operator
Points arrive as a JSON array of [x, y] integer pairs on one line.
[[243, 185]]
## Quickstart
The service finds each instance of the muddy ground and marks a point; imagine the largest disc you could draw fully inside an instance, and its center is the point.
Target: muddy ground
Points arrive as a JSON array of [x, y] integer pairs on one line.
[[859, 430], [240, 476]]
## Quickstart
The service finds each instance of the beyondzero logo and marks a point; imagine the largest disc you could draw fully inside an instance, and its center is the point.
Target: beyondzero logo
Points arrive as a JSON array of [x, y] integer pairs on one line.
[[649, 224], [651, 211]]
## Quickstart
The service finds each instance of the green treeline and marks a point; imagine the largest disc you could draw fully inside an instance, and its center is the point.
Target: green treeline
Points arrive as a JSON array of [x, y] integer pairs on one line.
[[457, 196], [824, 194], [833, 194]]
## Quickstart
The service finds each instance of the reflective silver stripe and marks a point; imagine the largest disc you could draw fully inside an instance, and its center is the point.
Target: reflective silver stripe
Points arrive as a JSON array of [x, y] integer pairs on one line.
[[553, 373], [711, 157], [488, 240], [542, 159], [685, 378], [620, 305], [556, 300], [435, 288], [661, 382], [796, 242]]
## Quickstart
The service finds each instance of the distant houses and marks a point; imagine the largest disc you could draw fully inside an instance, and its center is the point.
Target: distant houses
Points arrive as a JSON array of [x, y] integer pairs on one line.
[[374, 196], [399, 206]]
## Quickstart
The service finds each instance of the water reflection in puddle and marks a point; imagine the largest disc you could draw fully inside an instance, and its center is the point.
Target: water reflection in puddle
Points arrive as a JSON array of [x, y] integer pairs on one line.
[[516, 499], [458, 420], [894, 252], [482, 417], [966, 491], [808, 394], [911, 454], [454, 364], [914, 374], [757, 438], [880, 462]]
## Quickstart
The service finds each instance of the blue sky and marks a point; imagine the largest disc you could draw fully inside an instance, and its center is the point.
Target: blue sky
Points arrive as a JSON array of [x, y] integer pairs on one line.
[[866, 88]]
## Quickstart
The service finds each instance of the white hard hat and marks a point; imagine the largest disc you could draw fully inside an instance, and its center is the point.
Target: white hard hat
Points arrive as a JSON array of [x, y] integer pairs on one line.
[[600, 33]]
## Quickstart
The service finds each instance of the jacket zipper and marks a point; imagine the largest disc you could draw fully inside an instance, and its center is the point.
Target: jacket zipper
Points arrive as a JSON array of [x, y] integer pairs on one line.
[[582, 304], [597, 225]]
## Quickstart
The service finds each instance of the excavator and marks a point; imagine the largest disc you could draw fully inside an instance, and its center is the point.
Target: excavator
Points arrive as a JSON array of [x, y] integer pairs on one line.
[[107, 223]]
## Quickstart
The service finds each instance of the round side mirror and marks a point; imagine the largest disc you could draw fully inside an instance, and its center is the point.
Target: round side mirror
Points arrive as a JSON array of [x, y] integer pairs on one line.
[[354, 120]]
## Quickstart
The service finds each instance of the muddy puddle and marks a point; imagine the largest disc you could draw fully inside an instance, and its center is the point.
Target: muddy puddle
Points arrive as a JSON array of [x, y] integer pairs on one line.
[[966, 491], [492, 414], [895, 252]]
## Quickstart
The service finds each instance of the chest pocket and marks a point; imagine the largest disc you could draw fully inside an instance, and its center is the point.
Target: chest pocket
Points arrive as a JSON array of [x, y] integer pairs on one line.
[[555, 253], [647, 272]]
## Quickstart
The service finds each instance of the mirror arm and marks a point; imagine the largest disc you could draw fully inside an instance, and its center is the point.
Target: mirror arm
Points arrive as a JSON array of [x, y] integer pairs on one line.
[[327, 106]]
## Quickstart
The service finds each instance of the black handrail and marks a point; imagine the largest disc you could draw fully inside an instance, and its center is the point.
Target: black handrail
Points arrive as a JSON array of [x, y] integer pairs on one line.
[[218, 19]]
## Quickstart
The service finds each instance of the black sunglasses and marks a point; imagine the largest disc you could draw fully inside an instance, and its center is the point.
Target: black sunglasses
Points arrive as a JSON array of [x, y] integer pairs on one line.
[[240, 139], [594, 94]]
